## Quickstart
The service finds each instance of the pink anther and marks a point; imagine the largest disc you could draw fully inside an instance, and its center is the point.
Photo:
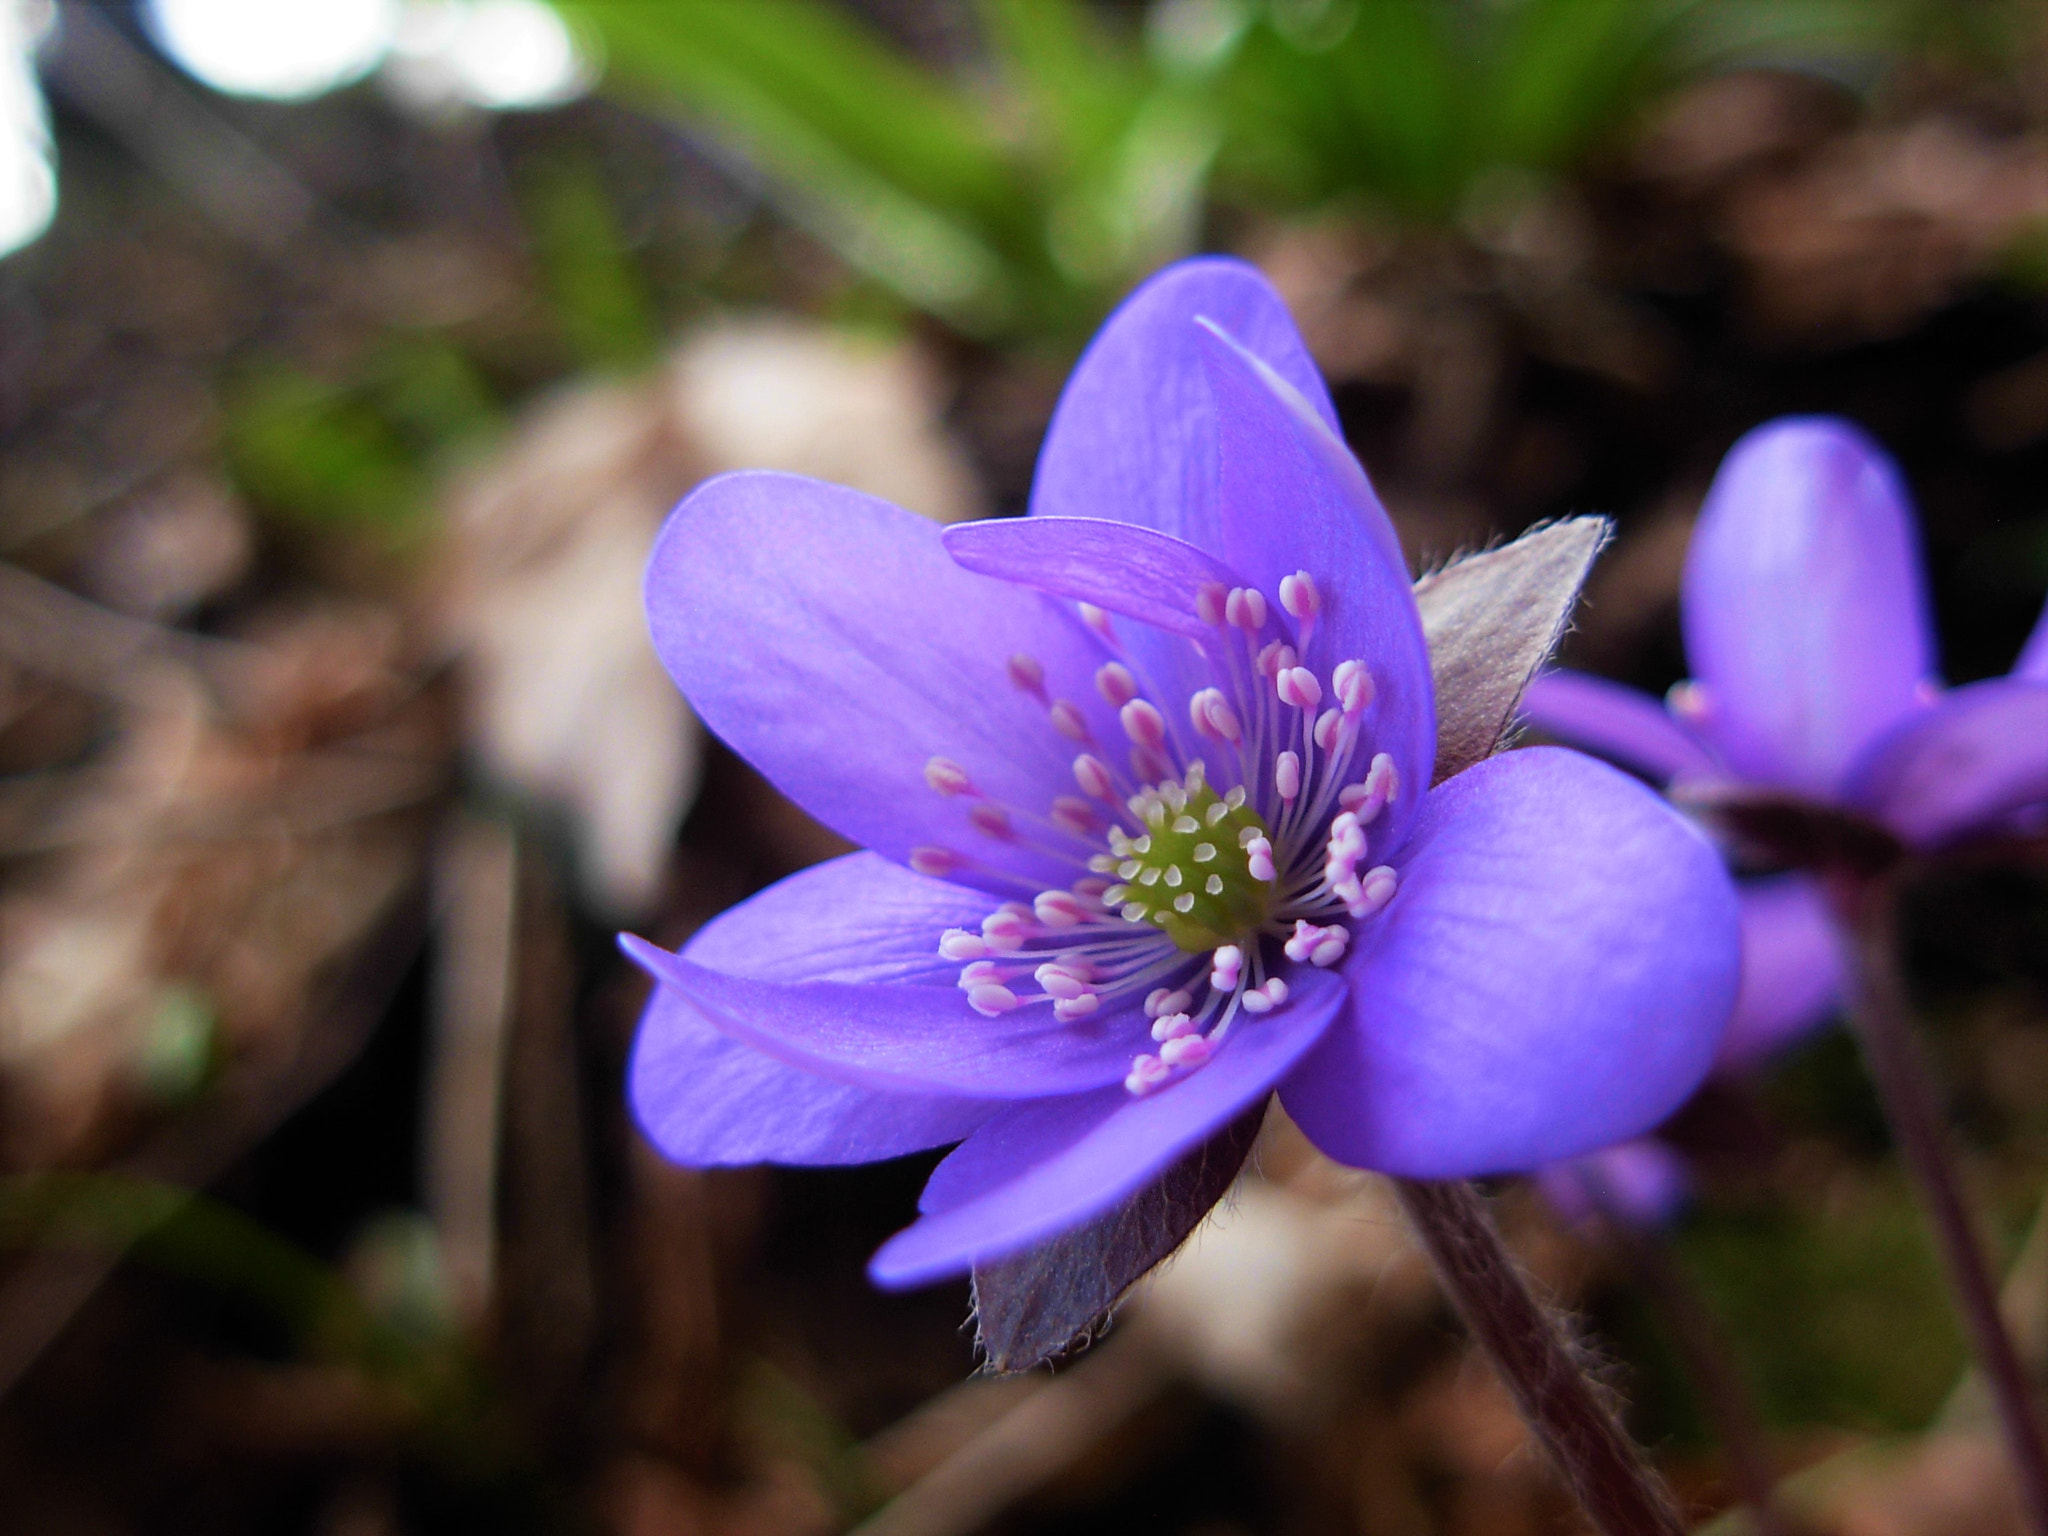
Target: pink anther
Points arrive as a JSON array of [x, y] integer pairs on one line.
[[934, 861], [1211, 601], [1098, 621], [1027, 676], [1287, 775], [1275, 657], [991, 821], [1147, 1072], [991, 999], [959, 944], [1092, 774], [981, 973], [1161, 1001], [1091, 887], [1246, 608], [1258, 856], [1689, 701], [1353, 685], [1298, 595], [1069, 1008], [1186, 1051], [1213, 717], [1265, 999], [1005, 930], [1376, 888], [1225, 966], [1171, 1026], [1068, 720], [1297, 686], [1058, 981], [948, 777], [1070, 813], [1059, 909], [1143, 724], [1367, 799], [1114, 682]]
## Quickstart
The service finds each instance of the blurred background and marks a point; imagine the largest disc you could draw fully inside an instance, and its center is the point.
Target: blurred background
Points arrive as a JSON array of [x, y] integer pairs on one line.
[[351, 352]]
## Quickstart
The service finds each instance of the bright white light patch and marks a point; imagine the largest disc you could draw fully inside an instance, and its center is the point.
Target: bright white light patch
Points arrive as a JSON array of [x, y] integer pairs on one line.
[[28, 181], [499, 54], [286, 49]]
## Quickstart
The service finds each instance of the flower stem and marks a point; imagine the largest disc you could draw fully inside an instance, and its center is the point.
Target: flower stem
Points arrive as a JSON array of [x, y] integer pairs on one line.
[[1527, 1343], [1900, 1072]]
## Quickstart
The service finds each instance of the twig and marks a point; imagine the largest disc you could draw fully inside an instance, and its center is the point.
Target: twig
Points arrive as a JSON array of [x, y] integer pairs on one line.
[[1900, 1072], [1572, 1416], [475, 877]]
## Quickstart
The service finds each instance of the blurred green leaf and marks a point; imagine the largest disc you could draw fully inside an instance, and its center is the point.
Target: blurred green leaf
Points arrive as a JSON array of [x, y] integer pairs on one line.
[[357, 453], [600, 305]]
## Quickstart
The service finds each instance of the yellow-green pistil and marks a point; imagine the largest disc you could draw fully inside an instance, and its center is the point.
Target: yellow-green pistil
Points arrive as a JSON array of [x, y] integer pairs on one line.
[[1187, 873]]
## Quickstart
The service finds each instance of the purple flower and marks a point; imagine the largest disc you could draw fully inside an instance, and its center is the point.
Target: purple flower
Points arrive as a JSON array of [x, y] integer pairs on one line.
[[1806, 624], [1643, 1183], [1144, 780]]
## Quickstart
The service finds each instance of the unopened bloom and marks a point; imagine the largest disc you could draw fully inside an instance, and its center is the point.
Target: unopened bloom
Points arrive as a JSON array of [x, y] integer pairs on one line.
[[1806, 625], [1144, 781]]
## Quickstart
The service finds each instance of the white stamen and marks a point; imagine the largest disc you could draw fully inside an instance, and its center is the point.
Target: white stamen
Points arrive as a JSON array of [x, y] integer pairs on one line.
[[947, 777], [1069, 1008], [1297, 686], [1186, 1051], [1098, 621], [1027, 676], [1210, 601], [1298, 595], [1143, 724], [991, 999], [959, 944], [1213, 717], [1068, 720], [990, 820], [1287, 775], [1114, 682], [1353, 685], [1092, 774], [1171, 1026], [1246, 608], [1059, 982], [940, 862], [1147, 1073], [1074, 815]]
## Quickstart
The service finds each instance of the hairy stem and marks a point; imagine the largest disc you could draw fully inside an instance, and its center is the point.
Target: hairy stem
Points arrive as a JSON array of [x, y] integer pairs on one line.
[[1571, 1414], [1900, 1071]]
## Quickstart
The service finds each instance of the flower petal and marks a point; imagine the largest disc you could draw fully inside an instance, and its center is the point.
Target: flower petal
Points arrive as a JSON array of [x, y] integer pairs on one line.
[[905, 1035], [1969, 760], [1552, 976], [1134, 435], [1617, 723], [1123, 567], [1805, 613], [1040, 1168], [1293, 498], [1791, 971], [706, 1100], [830, 640]]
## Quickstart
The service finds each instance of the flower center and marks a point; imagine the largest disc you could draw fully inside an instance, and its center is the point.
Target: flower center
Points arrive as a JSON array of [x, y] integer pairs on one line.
[[1190, 872], [1195, 897]]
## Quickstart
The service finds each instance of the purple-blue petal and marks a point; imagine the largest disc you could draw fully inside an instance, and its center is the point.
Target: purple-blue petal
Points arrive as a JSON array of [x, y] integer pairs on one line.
[[1805, 611], [832, 642], [1552, 976], [1134, 435], [707, 1100], [1791, 971], [1617, 723], [905, 1036], [1964, 764], [1040, 1168], [1293, 498], [1123, 567]]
